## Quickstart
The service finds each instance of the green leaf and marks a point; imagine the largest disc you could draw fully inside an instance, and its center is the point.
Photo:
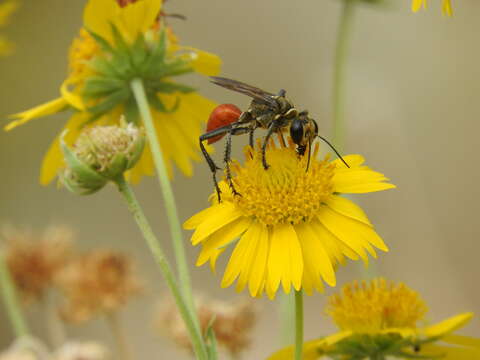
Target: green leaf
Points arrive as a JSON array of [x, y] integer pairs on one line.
[[110, 101]]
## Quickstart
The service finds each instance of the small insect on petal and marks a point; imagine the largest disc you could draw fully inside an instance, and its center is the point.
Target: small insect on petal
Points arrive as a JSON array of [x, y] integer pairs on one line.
[[222, 115]]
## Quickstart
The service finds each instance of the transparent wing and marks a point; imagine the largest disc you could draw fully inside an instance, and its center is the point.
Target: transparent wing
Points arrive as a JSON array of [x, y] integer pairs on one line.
[[252, 91]]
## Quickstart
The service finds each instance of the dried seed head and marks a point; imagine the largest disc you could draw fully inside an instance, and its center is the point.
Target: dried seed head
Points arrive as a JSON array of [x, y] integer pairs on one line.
[[98, 282], [35, 261], [232, 323], [74, 350]]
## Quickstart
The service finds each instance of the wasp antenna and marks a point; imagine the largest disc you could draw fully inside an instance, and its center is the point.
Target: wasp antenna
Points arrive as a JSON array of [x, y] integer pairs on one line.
[[309, 154], [335, 150]]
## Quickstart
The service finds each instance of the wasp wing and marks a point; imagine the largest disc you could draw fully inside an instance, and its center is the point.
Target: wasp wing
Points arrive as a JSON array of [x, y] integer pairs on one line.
[[252, 91]]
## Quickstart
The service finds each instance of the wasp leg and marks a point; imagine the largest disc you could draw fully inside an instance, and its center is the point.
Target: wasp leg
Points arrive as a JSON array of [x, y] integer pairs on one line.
[[213, 167], [228, 152], [271, 129], [250, 136]]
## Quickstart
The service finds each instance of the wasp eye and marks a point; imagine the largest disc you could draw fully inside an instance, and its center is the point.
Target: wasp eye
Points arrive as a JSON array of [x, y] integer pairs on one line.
[[296, 131]]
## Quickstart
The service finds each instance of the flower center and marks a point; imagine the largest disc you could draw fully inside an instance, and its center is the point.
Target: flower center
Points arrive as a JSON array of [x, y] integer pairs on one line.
[[83, 49], [363, 307], [286, 192]]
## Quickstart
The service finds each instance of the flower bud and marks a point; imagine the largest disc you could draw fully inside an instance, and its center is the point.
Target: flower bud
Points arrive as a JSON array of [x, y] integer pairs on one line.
[[101, 154]]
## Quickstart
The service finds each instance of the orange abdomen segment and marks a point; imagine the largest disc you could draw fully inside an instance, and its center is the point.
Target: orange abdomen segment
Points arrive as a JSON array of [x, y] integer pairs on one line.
[[222, 115]]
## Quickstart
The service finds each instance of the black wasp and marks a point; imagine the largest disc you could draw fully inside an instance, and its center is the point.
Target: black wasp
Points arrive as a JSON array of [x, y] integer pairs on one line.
[[274, 113]]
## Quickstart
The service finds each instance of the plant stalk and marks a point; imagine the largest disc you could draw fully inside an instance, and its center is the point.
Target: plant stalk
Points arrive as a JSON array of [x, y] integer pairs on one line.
[[167, 192], [158, 254], [298, 324], [12, 306]]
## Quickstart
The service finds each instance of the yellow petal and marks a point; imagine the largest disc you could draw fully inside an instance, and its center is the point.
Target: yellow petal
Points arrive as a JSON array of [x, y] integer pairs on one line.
[[449, 352], [314, 255], [72, 98], [449, 325], [48, 108], [199, 218], [348, 208], [353, 160], [255, 259], [236, 263], [334, 247], [224, 214], [6, 10], [130, 20], [285, 262], [447, 8], [222, 238], [53, 160], [417, 4], [360, 180], [461, 340], [204, 62], [312, 349], [342, 228]]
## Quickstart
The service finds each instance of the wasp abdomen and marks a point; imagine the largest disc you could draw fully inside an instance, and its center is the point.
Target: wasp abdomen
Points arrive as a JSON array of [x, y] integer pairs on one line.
[[222, 115]]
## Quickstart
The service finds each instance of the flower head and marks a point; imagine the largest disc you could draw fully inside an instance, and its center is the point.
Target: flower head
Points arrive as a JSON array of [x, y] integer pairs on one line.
[[7, 7], [232, 323], [446, 6], [293, 225], [100, 154], [122, 41], [35, 261], [380, 320], [100, 281]]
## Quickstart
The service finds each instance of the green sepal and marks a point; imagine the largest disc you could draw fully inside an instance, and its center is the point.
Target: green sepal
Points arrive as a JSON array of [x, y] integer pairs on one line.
[[109, 102], [83, 173], [136, 153], [158, 104]]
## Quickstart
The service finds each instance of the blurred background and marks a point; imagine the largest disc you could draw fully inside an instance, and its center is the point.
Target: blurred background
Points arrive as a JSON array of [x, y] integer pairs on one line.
[[412, 110]]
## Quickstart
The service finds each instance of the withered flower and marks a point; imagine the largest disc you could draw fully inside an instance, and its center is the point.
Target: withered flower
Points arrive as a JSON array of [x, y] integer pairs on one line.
[[100, 281], [231, 322], [74, 350], [35, 261]]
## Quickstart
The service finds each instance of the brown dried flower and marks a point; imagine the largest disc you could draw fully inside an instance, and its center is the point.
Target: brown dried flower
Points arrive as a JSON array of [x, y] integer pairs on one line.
[[232, 323], [99, 281], [33, 261]]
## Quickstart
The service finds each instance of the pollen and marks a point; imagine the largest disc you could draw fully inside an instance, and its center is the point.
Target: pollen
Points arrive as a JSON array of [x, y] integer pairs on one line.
[[83, 49], [375, 306], [287, 192]]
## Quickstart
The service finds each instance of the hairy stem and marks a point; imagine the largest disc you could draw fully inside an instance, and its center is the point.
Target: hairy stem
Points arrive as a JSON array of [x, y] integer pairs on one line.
[[157, 252], [167, 192], [12, 306]]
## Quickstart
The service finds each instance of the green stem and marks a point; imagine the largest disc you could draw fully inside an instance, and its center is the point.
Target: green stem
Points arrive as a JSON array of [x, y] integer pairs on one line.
[[341, 52], [11, 301], [159, 255], [287, 319], [170, 206], [298, 325]]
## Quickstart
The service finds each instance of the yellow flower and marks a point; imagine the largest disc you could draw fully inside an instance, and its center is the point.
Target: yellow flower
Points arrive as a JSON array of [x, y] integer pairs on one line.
[[293, 225], [379, 320], [7, 7], [446, 6], [97, 89]]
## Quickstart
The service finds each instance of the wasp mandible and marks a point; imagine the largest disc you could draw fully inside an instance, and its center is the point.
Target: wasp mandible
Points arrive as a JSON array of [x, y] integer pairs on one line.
[[274, 113]]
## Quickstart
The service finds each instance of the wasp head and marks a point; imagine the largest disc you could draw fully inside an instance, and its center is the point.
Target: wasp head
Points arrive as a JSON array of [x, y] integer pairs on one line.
[[303, 130]]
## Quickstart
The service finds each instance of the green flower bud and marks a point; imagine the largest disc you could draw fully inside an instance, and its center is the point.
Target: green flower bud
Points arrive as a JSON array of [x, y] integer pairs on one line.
[[101, 154]]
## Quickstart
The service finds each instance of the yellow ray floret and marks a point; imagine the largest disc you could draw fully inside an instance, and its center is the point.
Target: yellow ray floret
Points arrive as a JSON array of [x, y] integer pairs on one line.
[[293, 227], [446, 6]]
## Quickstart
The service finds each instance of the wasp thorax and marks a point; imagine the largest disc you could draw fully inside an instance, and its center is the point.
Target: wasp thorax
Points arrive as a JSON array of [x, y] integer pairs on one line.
[[286, 193], [100, 154]]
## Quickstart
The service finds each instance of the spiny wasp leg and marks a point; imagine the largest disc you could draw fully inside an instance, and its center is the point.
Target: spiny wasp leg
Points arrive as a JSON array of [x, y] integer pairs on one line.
[[271, 129]]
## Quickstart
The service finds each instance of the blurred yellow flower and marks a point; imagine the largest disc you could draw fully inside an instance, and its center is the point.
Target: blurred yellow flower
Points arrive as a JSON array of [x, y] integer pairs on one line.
[[379, 320], [93, 91], [446, 6], [7, 7], [293, 225]]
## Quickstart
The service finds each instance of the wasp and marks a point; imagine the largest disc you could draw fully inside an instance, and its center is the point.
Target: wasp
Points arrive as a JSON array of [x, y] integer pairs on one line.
[[274, 113]]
